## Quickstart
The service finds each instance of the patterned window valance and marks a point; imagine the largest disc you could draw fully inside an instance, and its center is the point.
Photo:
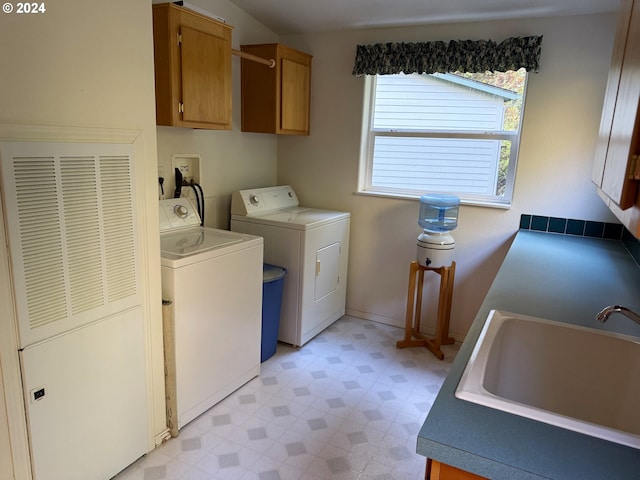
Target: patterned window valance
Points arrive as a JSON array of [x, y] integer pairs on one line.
[[474, 56]]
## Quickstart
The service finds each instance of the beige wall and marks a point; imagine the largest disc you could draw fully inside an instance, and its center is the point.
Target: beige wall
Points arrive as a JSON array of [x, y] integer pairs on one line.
[[230, 160], [561, 121], [6, 461], [88, 64]]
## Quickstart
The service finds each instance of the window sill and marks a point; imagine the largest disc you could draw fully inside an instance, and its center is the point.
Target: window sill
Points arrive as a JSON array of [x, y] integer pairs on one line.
[[463, 200]]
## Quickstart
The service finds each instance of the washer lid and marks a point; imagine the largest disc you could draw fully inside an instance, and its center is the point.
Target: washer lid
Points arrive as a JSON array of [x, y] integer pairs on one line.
[[183, 243], [299, 218]]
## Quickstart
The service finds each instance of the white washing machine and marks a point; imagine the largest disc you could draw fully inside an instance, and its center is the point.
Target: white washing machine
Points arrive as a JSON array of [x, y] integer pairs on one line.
[[312, 244], [214, 280]]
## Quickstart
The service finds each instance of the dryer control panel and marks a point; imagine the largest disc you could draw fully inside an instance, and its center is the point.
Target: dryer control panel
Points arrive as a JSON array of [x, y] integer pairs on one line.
[[263, 200]]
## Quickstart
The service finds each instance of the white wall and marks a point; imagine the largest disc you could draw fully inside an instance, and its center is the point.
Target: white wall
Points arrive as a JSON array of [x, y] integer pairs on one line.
[[562, 116], [231, 160], [88, 64]]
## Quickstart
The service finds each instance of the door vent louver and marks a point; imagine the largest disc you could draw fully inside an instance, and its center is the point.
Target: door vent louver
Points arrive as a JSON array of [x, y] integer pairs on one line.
[[83, 237], [71, 228], [118, 225], [41, 238]]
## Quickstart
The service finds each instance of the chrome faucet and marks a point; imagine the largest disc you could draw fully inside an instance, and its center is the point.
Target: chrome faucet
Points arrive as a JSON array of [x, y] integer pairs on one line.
[[603, 316]]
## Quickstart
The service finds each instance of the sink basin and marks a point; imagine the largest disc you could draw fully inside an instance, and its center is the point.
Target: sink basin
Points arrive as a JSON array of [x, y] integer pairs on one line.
[[577, 378]]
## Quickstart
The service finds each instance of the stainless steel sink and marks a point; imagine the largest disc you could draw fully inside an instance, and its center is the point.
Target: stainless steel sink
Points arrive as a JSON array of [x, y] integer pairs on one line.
[[577, 378]]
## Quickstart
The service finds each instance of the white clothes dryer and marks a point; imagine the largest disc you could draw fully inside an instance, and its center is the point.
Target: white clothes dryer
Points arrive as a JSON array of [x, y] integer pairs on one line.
[[214, 280], [312, 244]]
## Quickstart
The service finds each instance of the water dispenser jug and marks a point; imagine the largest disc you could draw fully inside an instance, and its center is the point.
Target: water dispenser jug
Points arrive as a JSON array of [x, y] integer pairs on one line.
[[438, 216]]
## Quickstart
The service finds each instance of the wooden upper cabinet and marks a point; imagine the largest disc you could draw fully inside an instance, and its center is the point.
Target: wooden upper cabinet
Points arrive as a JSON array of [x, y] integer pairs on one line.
[[276, 100], [616, 171], [192, 69]]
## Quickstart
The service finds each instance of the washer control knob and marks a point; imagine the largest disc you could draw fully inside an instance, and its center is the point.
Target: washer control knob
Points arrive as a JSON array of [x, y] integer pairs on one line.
[[181, 211], [254, 199]]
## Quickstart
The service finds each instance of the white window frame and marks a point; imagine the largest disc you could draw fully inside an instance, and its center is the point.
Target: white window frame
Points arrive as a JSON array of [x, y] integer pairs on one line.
[[367, 146]]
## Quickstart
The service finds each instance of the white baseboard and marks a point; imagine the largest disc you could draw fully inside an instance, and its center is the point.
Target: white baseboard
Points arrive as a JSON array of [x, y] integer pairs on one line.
[[394, 322]]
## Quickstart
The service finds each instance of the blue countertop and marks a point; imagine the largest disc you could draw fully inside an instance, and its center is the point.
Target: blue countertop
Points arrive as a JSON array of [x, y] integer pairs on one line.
[[563, 278]]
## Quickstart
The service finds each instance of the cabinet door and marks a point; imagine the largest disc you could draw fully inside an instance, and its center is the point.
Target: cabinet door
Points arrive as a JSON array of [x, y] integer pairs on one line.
[[276, 100], [611, 93], [617, 139], [86, 399], [192, 61], [327, 270], [442, 471], [617, 181], [205, 80], [295, 96]]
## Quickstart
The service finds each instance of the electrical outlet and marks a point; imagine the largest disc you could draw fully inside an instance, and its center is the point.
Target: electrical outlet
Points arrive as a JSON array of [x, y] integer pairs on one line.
[[189, 167], [160, 172], [185, 170]]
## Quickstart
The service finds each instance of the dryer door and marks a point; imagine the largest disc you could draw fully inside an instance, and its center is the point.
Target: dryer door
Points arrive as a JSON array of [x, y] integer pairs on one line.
[[327, 270]]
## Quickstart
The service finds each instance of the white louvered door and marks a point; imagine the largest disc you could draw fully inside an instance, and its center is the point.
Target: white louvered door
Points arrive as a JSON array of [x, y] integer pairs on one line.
[[70, 222], [72, 235]]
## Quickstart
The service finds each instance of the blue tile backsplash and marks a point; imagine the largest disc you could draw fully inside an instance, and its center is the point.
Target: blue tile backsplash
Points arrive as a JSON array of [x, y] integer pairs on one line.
[[582, 228]]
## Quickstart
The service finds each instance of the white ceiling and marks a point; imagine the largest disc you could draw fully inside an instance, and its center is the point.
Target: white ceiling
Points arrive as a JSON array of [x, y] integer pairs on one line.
[[303, 16]]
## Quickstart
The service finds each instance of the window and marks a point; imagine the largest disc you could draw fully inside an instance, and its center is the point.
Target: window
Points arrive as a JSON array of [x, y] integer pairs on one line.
[[451, 133]]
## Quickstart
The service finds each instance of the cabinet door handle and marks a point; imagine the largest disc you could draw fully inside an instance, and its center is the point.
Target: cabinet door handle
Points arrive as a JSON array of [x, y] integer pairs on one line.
[[317, 267]]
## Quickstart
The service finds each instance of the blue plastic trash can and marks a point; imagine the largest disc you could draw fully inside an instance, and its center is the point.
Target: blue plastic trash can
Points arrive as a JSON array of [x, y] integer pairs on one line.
[[272, 284]]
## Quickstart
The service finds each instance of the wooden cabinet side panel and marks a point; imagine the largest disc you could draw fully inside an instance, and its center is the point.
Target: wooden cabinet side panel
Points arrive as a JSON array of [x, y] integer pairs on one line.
[[611, 92], [164, 51], [259, 84], [616, 181]]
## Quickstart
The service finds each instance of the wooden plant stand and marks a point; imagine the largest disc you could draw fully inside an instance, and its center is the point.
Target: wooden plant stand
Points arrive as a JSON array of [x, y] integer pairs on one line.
[[412, 335]]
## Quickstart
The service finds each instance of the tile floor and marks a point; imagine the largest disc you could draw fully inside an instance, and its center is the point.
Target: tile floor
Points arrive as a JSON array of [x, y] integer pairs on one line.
[[347, 405]]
